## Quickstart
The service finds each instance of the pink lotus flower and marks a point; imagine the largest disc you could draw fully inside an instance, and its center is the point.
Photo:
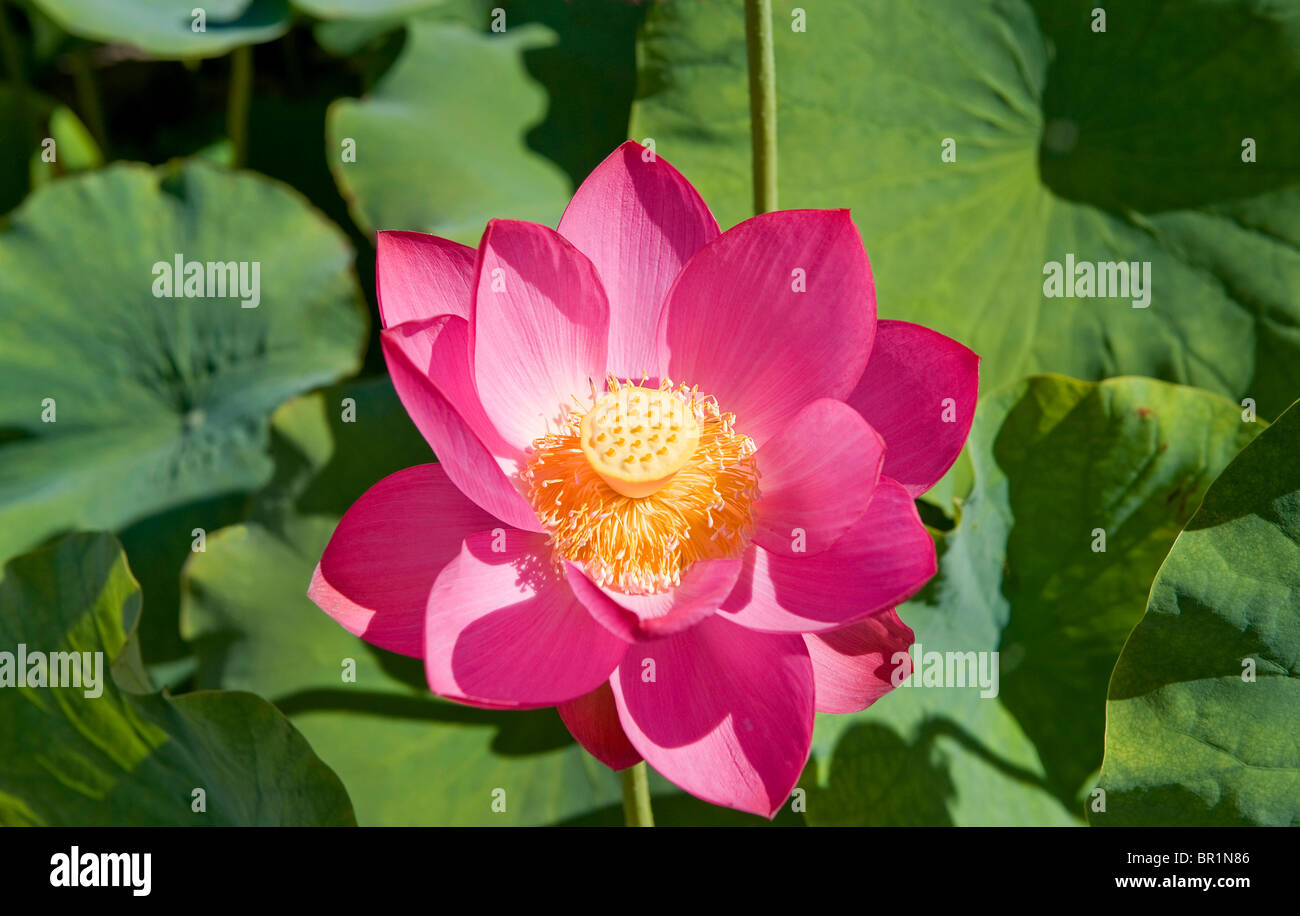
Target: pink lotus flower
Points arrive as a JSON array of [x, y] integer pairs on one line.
[[676, 474]]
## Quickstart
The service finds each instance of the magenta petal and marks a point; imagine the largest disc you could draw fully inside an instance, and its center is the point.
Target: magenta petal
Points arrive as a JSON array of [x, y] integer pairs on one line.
[[593, 721], [703, 588], [736, 325], [376, 573], [723, 712], [420, 276], [818, 475], [540, 329], [639, 222], [854, 666], [918, 391], [428, 362], [880, 562], [504, 627]]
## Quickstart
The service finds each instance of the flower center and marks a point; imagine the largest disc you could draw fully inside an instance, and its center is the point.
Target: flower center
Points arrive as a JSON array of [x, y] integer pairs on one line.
[[644, 483], [637, 438]]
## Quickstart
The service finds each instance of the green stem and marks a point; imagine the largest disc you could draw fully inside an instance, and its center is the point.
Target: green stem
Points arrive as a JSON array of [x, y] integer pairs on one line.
[[92, 113], [762, 101], [636, 797], [241, 90]]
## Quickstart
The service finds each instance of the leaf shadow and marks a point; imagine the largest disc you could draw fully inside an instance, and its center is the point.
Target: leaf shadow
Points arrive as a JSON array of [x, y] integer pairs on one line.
[[520, 732]]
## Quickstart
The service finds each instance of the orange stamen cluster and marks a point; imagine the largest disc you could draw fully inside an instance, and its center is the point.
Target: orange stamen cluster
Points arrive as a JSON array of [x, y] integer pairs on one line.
[[636, 513]]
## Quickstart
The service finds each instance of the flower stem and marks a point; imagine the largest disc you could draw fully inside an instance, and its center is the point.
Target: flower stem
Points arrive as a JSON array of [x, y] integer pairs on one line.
[[762, 101], [636, 797], [241, 89]]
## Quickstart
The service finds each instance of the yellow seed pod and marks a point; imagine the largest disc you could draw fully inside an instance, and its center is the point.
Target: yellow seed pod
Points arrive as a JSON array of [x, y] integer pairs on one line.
[[637, 438]]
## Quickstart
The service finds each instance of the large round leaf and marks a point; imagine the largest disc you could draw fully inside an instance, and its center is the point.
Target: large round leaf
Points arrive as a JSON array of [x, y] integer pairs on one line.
[[1203, 712], [99, 748], [1122, 145], [116, 404], [1058, 464], [439, 143], [169, 28]]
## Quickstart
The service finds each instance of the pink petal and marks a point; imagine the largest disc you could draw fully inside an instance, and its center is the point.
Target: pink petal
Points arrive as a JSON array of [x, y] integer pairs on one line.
[[428, 362], [727, 715], [904, 393], [880, 562], [419, 276], [854, 666], [639, 222], [703, 588], [376, 573], [504, 627], [817, 478], [593, 721], [735, 326], [540, 329]]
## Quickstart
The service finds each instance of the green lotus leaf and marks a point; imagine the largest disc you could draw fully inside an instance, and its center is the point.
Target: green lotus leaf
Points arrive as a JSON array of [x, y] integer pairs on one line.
[[117, 404], [1079, 490], [1203, 711], [87, 743], [1128, 145]]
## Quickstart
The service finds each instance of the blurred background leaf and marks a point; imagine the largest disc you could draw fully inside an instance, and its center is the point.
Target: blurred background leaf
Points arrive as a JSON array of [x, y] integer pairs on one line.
[[40, 140], [76, 148], [1054, 459], [448, 74], [553, 90], [129, 756], [364, 9], [1203, 712], [168, 28]]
